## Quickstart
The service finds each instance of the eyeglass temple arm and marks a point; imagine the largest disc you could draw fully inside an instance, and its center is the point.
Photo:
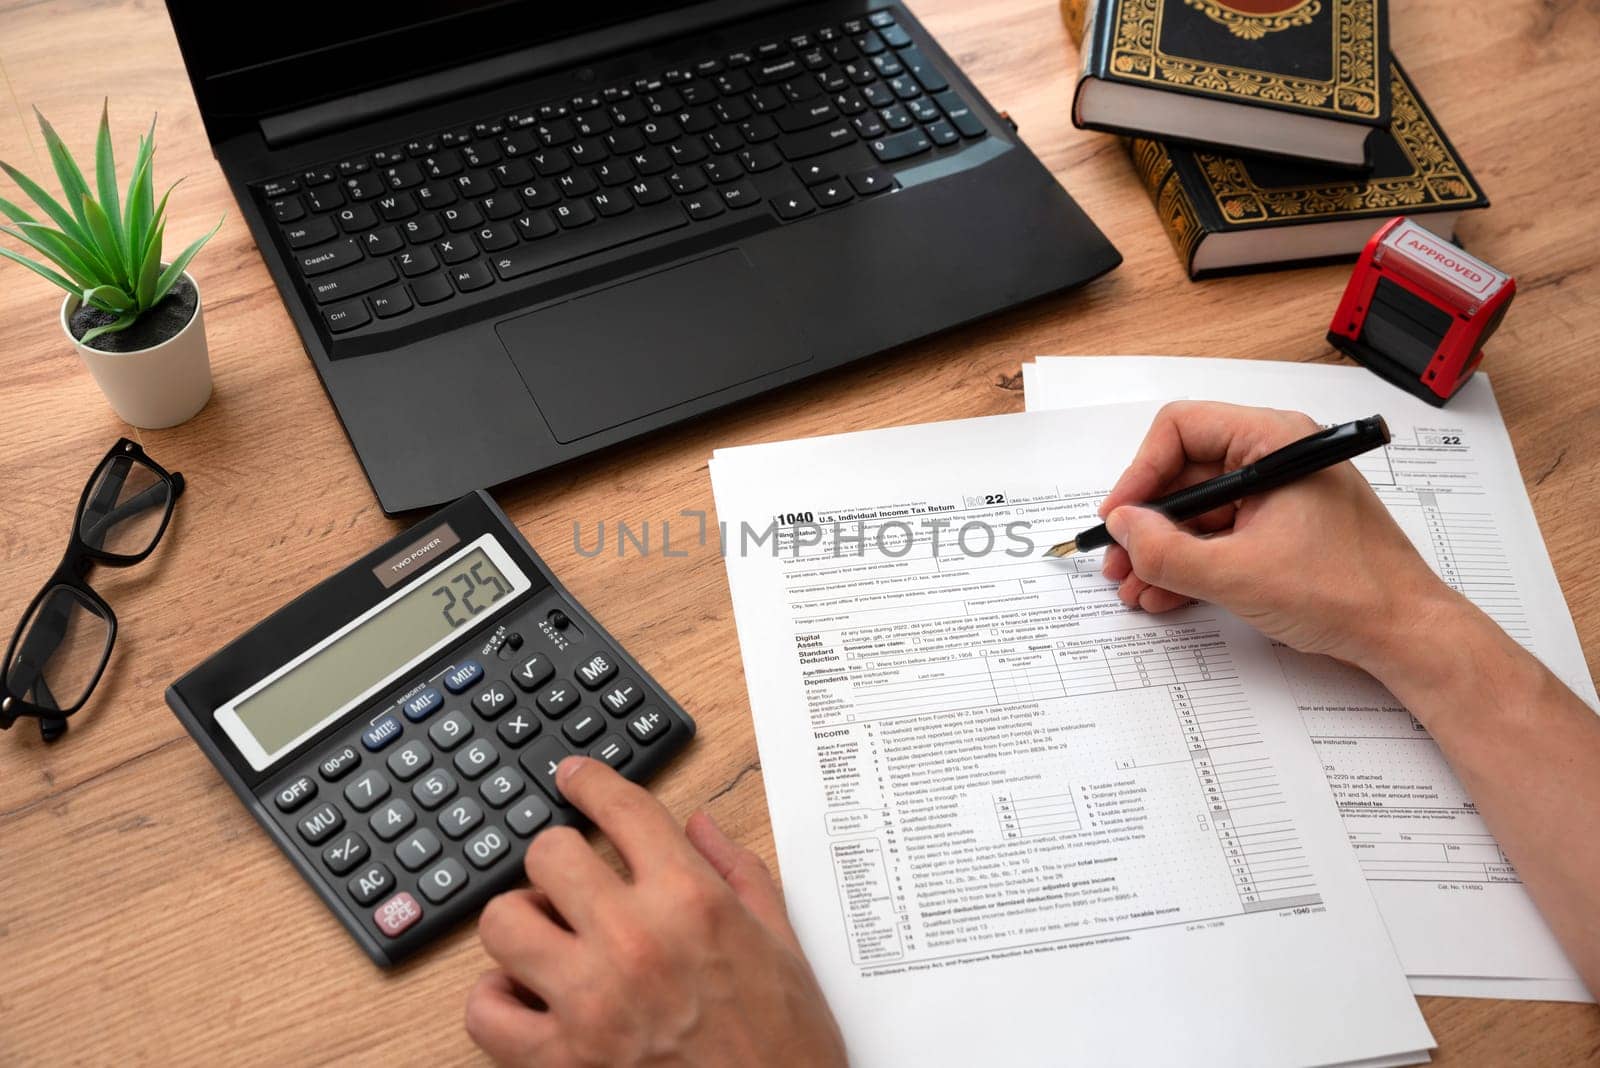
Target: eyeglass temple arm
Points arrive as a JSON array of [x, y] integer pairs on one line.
[[150, 497]]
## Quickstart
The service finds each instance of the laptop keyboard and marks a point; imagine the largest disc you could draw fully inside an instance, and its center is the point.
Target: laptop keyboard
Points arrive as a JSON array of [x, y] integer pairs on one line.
[[793, 127]]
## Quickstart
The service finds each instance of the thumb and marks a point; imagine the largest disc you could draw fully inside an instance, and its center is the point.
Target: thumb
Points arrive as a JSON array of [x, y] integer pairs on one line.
[[1163, 554], [744, 873]]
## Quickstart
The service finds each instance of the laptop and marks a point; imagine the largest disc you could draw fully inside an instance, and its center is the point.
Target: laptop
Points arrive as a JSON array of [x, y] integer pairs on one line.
[[513, 233]]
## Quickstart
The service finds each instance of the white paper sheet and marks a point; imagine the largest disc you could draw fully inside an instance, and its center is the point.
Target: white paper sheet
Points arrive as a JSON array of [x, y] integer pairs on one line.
[[1018, 823], [1452, 901]]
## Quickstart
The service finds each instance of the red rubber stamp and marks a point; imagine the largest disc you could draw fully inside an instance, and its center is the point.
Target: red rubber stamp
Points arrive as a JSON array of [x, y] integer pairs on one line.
[[1418, 310]]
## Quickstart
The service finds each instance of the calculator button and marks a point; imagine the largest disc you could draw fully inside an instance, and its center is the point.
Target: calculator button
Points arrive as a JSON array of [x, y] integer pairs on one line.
[[423, 705], [295, 794], [486, 847], [370, 883], [533, 672], [557, 699], [584, 725], [649, 725], [346, 852], [442, 881], [620, 699], [366, 791], [613, 750], [381, 733], [341, 762], [434, 789], [463, 675], [540, 760], [397, 914], [322, 822], [493, 699], [528, 815], [460, 817], [392, 820], [596, 671], [476, 759], [418, 848], [518, 728], [450, 731], [410, 760], [500, 788]]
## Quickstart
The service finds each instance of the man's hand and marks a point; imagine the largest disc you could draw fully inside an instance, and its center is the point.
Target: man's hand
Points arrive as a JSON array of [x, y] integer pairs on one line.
[[691, 961], [1319, 565]]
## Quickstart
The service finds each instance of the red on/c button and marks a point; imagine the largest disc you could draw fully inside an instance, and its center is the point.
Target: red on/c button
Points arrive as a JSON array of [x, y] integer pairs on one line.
[[397, 914]]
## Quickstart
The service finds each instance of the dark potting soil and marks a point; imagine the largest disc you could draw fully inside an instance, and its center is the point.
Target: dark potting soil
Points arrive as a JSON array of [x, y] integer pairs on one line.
[[160, 323]]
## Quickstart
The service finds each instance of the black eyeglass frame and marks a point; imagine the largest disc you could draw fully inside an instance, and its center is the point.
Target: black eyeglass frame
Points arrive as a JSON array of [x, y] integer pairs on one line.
[[71, 574]]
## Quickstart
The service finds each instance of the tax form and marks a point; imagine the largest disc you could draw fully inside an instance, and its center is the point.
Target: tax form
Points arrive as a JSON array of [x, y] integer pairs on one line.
[[1018, 823], [1458, 914]]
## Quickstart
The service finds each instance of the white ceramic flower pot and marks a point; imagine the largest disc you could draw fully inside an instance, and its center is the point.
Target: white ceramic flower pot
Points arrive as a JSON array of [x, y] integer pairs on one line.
[[160, 386]]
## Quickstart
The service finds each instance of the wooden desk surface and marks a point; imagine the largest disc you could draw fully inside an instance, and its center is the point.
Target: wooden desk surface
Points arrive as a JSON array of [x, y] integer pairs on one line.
[[144, 916]]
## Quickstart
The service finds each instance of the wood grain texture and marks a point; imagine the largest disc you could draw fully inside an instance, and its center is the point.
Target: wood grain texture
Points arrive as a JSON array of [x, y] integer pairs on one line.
[[144, 917]]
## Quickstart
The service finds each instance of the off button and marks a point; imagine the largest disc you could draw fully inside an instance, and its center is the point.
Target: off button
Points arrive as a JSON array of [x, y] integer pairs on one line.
[[295, 794]]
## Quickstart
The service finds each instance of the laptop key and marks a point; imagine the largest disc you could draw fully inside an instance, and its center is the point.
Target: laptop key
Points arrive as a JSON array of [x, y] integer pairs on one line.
[[416, 261], [431, 289], [287, 209], [815, 171], [611, 203], [960, 114], [688, 180], [329, 257], [649, 191], [815, 142], [793, 204], [573, 214], [635, 226], [390, 302], [422, 229], [470, 276], [540, 194], [496, 236], [513, 172], [346, 316], [455, 249], [741, 194], [830, 193], [461, 217], [901, 145], [535, 225], [943, 133], [382, 241], [924, 71], [352, 281], [867, 183], [759, 158], [397, 206], [804, 116], [324, 197], [311, 232]]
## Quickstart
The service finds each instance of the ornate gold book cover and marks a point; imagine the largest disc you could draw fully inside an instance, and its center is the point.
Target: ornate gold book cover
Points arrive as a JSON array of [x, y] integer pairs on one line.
[[1320, 57], [1416, 171]]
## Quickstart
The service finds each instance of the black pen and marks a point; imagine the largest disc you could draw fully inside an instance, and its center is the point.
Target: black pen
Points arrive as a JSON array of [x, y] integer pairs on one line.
[[1289, 464]]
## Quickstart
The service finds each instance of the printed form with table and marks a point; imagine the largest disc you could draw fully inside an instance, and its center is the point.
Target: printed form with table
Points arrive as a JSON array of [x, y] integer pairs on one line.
[[997, 791]]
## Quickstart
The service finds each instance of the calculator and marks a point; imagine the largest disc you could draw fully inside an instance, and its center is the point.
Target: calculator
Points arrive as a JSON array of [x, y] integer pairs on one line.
[[396, 728]]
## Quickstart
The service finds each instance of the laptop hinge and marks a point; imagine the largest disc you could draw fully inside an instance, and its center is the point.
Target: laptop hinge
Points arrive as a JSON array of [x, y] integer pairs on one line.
[[369, 105]]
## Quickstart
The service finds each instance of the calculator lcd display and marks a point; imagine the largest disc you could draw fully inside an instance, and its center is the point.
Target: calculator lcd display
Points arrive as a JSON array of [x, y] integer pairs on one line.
[[336, 675]]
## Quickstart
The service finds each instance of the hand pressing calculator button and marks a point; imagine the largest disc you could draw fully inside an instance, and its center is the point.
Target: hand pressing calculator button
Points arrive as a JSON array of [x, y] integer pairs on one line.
[[454, 655]]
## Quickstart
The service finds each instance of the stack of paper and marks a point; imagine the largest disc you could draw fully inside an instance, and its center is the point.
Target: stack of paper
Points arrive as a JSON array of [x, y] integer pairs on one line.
[[1460, 919], [1017, 823]]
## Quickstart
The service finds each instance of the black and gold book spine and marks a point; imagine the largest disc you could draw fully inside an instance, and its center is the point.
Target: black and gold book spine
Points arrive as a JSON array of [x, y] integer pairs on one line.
[[1179, 215]]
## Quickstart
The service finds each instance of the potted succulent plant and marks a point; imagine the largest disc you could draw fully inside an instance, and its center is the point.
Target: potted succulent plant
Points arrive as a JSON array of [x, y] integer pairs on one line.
[[133, 316]]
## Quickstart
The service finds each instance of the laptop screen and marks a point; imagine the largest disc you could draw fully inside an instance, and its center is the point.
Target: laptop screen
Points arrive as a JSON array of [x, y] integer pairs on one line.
[[293, 53]]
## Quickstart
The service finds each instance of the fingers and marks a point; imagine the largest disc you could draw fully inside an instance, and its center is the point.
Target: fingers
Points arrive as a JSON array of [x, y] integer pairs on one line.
[[641, 828], [1166, 556], [575, 879], [744, 873], [519, 933], [1201, 432], [507, 1029]]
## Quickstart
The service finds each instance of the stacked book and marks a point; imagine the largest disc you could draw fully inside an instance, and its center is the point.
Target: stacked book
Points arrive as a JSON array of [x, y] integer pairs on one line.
[[1267, 132]]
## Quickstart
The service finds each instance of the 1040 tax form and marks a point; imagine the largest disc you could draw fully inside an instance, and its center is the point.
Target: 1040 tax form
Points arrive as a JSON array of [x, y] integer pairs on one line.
[[1458, 913], [1017, 822]]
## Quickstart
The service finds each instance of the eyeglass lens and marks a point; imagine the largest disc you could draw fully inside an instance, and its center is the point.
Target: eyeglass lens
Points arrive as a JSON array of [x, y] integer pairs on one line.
[[60, 650], [125, 507]]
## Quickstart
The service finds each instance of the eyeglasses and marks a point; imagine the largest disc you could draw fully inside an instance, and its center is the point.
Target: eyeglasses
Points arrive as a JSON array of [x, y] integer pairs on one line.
[[61, 647]]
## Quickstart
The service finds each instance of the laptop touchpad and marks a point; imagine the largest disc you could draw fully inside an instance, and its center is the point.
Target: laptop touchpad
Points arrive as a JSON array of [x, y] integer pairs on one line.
[[641, 346]]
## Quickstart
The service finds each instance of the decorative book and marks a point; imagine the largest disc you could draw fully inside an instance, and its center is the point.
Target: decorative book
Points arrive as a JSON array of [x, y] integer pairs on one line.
[[1301, 79], [1226, 213]]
